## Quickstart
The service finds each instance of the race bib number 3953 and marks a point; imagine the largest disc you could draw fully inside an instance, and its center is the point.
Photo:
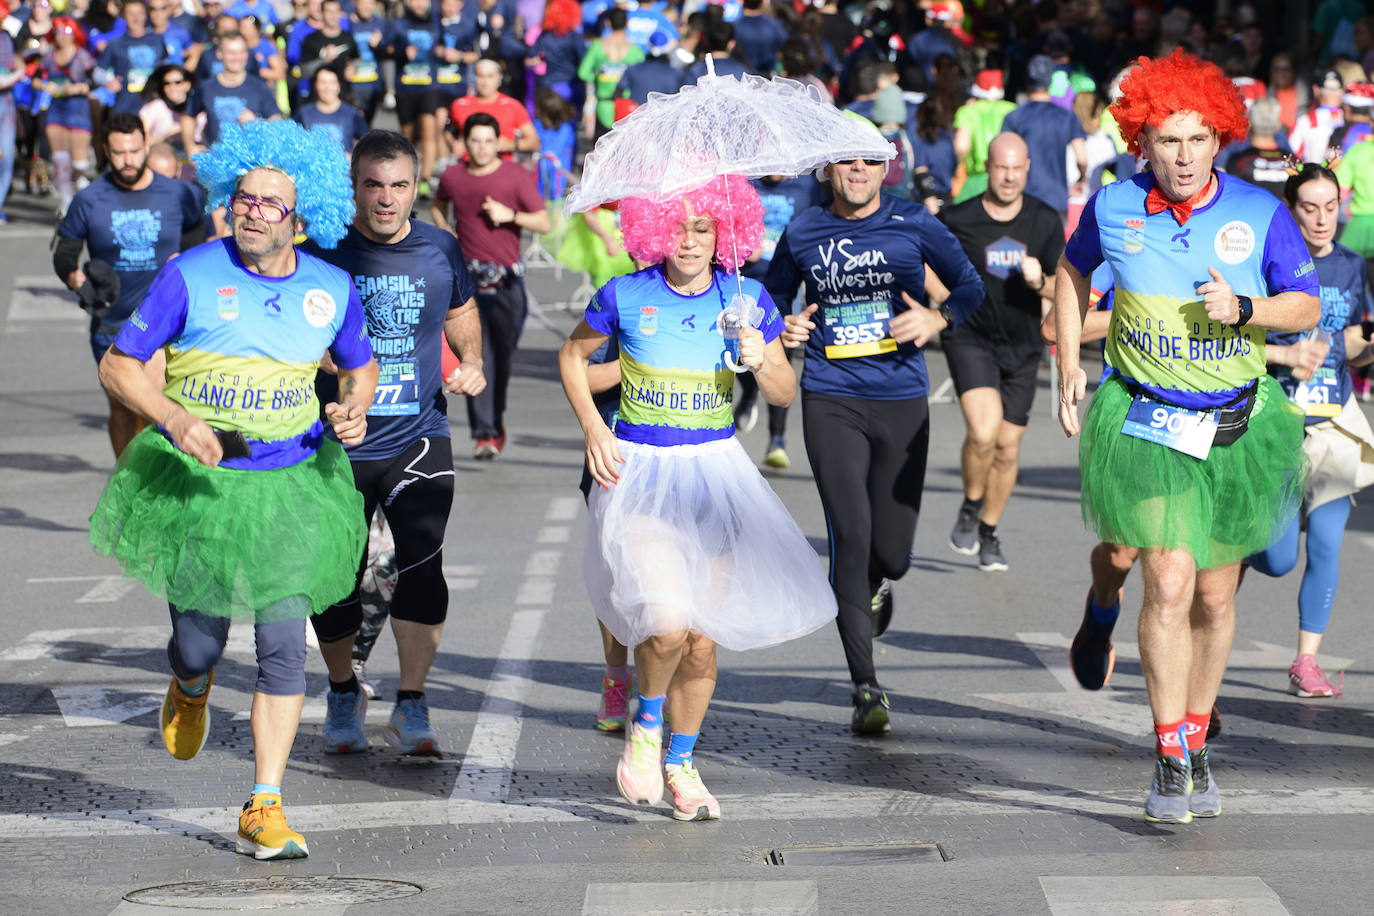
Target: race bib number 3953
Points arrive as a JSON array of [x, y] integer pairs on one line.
[[857, 329]]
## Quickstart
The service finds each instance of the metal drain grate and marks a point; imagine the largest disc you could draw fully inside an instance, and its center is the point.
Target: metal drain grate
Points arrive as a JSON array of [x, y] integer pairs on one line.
[[877, 854], [271, 893]]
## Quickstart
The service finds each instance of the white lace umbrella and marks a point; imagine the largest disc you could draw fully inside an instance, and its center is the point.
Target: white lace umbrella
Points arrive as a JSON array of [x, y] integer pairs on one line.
[[723, 125]]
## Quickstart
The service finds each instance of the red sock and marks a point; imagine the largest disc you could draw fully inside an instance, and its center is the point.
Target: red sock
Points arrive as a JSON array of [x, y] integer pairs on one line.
[[1196, 724], [1166, 738]]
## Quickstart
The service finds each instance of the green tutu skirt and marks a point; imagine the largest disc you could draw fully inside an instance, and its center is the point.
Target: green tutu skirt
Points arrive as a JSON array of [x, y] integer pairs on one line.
[[261, 546], [1141, 494], [583, 250]]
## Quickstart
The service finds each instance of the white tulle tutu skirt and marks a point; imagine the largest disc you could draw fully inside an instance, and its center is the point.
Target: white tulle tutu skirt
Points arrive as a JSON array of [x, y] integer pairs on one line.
[[693, 538]]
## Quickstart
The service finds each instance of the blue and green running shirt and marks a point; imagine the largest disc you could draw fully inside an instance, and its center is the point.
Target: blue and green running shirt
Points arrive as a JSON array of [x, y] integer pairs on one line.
[[242, 349], [1160, 336], [675, 388]]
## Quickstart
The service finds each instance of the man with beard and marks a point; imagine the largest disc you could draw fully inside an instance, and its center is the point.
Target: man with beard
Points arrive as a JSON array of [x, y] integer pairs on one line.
[[130, 220], [867, 423], [236, 506], [418, 299]]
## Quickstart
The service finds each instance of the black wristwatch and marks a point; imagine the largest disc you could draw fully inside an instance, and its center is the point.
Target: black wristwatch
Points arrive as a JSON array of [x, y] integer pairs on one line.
[[1247, 310], [946, 314]]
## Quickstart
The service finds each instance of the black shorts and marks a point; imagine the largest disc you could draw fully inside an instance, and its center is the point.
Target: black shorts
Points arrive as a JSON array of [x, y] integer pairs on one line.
[[411, 103], [973, 364]]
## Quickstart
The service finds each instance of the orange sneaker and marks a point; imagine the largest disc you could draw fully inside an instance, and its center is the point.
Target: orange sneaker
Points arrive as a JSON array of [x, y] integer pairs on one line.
[[186, 719]]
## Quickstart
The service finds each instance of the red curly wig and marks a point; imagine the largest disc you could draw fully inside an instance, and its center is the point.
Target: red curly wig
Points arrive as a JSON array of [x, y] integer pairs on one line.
[[562, 16], [67, 23], [1165, 86]]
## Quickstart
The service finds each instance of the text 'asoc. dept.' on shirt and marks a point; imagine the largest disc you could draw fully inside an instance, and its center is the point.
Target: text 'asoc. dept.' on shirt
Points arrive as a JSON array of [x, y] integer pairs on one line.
[[675, 388], [242, 349], [1160, 336]]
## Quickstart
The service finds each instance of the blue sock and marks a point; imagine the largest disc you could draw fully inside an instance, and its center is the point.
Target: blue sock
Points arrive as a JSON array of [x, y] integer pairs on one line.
[[680, 749], [262, 788], [1106, 616], [197, 687], [650, 710]]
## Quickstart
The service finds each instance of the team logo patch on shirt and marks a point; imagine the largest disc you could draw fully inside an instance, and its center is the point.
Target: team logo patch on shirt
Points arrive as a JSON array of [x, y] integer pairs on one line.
[[1134, 239], [648, 320], [319, 308], [1234, 242], [228, 302], [1003, 257]]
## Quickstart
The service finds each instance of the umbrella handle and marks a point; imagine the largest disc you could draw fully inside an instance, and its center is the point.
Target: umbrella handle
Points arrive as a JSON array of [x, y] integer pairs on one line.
[[737, 368]]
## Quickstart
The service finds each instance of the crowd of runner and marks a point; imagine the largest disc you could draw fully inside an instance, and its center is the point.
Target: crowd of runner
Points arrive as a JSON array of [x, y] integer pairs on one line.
[[1049, 164]]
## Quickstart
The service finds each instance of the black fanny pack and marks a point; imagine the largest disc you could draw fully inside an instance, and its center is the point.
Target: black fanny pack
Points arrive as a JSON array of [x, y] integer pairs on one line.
[[1235, 416]]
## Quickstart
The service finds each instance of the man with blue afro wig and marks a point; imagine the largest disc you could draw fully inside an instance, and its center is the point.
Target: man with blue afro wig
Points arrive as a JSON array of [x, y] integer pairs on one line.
[[312, 159], [235, 505]]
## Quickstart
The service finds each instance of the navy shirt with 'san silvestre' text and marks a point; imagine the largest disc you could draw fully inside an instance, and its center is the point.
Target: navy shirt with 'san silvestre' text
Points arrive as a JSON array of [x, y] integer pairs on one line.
[[852, 266]]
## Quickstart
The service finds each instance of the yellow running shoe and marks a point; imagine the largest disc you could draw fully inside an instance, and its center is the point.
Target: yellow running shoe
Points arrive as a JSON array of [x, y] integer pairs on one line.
[[186, 719], [263, 833]]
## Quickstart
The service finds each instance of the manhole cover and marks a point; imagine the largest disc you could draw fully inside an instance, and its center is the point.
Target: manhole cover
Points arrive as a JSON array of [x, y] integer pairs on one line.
[[270, 893], [883, 854]]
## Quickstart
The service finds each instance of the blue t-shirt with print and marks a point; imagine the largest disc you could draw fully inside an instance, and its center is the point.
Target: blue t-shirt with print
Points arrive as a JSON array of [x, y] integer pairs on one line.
[[177, 40], [1346, 300], [243, 349], [675, 388], [407, 290], [1047, 129], [856, 270], [132, 60], [364, 71], [413, 74], [135, 232], [223, 104], [781, 203], [345, 124]]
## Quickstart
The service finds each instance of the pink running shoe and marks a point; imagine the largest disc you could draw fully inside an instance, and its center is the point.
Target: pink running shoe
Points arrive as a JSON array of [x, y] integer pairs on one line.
[[639, 774], [1306, 679], [615, 703], [691, 801]]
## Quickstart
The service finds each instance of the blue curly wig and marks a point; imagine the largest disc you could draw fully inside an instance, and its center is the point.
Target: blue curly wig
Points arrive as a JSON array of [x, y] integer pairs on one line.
[[312, 159]]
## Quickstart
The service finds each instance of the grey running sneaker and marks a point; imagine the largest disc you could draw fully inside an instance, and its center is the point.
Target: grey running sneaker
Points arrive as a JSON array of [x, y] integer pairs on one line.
[[990, 557], [364, 681], [964, 538], [1168, 801], [1205, 799], [870, 711], [343, 722], [409, 730], [881, 608]]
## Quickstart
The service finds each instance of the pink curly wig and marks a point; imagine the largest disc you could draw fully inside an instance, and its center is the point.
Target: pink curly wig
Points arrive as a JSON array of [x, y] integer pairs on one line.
[[650, 227], [562, 16], [1180, 82]]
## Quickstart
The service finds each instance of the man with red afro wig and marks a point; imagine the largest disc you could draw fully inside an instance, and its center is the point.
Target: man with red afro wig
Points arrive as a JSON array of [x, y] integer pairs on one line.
[[1189, 451]]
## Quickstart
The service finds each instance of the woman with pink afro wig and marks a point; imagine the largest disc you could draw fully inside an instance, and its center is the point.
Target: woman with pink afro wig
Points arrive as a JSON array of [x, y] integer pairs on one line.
[[687, 546], [1158, 88], [650, 227]]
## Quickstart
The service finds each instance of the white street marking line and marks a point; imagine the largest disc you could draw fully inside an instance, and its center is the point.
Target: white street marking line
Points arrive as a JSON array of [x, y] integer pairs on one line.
[[553, 534], [543, 562], [563, 509], [489, 761], [1103, 709], [43, 297], [1161, 895], [41, 643], [111, 589], [707, 898], [96, 706], [848, 805], [535, 591], [208, 904], [463, 578]]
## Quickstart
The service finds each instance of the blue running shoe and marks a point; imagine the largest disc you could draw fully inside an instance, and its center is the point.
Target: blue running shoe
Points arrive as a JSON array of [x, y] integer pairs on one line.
[[1169, 794], [343, 723], [1205, 799], [409, 730]]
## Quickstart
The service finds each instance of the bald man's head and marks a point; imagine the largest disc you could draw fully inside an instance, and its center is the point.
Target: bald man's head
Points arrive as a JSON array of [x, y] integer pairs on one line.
[[1008, 165], [163, 160]]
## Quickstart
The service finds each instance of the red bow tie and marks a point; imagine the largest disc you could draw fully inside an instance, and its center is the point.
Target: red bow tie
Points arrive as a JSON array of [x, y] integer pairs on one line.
[[1156, 202]]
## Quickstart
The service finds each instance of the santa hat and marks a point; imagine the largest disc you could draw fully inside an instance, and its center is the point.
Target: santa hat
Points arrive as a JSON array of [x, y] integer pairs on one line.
[[987, 85], [1359, 95]]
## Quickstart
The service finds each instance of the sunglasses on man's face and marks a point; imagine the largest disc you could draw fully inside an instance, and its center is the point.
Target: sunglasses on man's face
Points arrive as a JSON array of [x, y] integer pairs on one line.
[[866, 161]]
